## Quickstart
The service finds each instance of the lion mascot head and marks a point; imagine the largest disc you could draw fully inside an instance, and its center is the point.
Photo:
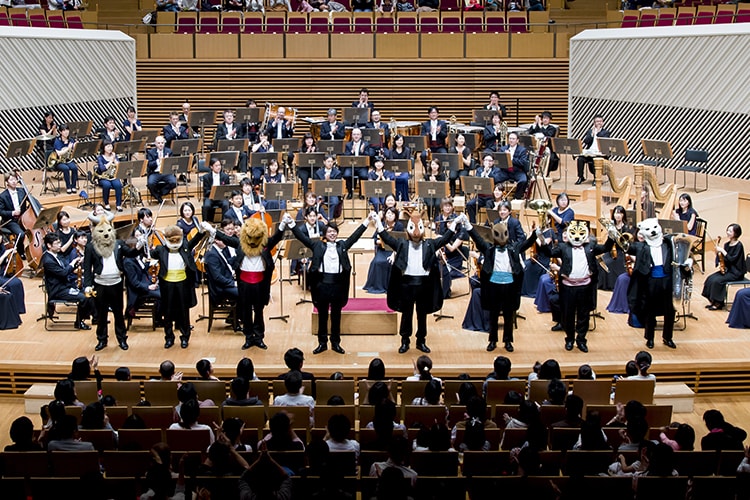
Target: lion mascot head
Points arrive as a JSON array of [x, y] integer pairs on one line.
[[103, 236], [253, 237]]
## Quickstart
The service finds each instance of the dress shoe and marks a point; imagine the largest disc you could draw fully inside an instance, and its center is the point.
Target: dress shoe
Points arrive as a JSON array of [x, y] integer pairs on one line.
[[320, 348], [568, 345], [50, 310], [168, 343], [670, 344], [124, 345], [421, 346], [650, 343], [509, 347], [337, 348], [404, 347], [348, 196], [261, 344], [491, 346], [184, 343], [579, 181], [82, 326], [582, 346], [247, 345], [557, 328], [101, 345]]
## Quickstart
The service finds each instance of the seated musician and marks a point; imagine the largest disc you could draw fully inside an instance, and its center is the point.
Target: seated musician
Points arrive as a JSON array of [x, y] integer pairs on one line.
[[519, 167], [79, 241], [379, 272], [280, 127], [64, 147], [544, 129], [219, 260], [332, 129], [139, 282], [251, 197], [494, 104], [13, 203], [273, 176], [364, 99], [488, 171], [131, 124], [214, 178], [159, 183], [145, 221], [304, 172], [106, 169], [454, 252], [437, 131], [47, 128], [377, 173], [58, 287], [400, 151], [184, 117], [329, 172], [467, 162], [310, 200], [229, 130], [494, 134], [375, 123], [174, 130], [433, 174], [11, 284], [355, 147], [110, 132], [591, 148], [66, 233], [263, 145], [237, 210]]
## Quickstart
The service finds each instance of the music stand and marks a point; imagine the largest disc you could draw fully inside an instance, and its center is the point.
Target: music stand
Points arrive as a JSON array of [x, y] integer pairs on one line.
[[661, 150], [567, 147], [613, 147], [503, 160], [46, 217], [201, 119], [397, 166], [354, 162], [294, 249], [477, 185], [356, 116], [80, 128], [280, 191], [378, 189], [178, 165], [262, 159], [232, 145], [335, 147], [219, 193], [184, 147], [22, 147], [449, 162], [528, 141], [248, 115], [473, 139], [285, 145], [373, 137], [432, 190], [86, 149], [484, 115], [124, 172], [227, 158], [416, 143], [329, 188], [127, 148], [313, 161], [147, 135]]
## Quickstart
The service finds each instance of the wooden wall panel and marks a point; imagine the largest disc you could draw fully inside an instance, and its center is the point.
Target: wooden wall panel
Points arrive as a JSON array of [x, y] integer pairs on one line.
[[216, 45], [442, 45], [489, 45], [307, 46], [171, 46], [269, 46], [352, 46], [395, 45], [532, 45]]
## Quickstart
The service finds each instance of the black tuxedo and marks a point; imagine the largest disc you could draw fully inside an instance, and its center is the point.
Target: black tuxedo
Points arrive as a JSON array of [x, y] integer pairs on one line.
[[13, 224], [588, 141], [440, 137], [221, 282], [137, 282], [221, 131], [152, 157], [359, 172], [325, 131], [230, 213], [548, 131], [56, 273], [492, 141], [170, 135], [520, 167], [364, 149], [286, 131]]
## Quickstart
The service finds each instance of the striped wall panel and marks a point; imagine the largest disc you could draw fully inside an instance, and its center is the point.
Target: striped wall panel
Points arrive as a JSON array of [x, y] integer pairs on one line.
[[77, 74], [667, 84]]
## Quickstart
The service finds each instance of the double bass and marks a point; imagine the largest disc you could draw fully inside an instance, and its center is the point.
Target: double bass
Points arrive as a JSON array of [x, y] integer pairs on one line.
[[28, 220]]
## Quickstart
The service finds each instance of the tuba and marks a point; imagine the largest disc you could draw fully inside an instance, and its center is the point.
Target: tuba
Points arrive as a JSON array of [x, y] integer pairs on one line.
[[682, 272]]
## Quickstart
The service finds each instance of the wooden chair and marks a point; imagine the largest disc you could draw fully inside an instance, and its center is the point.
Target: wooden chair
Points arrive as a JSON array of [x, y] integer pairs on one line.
[[126, 393], [563, 438], [450, 389], [595, 392], [384, 22], [538, 390], [86, 391], [56, 20], [364, 389], [473, 22], [587, 463], [743, 283], [209, 415], [138, 439], [74, 463], [407, 22], [318, 23], [215, 390], [435, 463], [486, 463], [279, 388], [648, 19], [609, 487], [666, 17], [231, 22], [221, 309], [493, 436], [155, 417], [639, 390], [411, 389], [275, 21], [498, 389], [716, 487], [296, 22], [698, 463], [25, 463], [705, 14], [517, 22], [259, 389], [499, 410], [102, 439], [494, 22], [323, 413], [661, 487], [429, 22], [209, 22], [630, 19], [301, 415], [187, 22], [550, 414], [699, 248], [160, 392], [117, 415], [253, 23], [125, 463], [341, 22], [343, 462], [294, 460], [76, 411], [513, 438], [685, 16], [38, 19], [363, 22], [253, 416], [425, 415], [188, 439], [324, 389]]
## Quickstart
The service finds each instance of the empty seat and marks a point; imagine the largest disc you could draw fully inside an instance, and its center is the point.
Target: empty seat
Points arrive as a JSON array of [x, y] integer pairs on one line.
[[138, 439]]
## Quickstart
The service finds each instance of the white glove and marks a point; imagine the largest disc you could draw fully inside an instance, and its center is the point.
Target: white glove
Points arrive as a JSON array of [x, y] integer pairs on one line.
[[455, 222], [141, 242], [467, 223], [87, 290], [391, 258], [287, 222], [540, 237], [378, 223], [208, 227]]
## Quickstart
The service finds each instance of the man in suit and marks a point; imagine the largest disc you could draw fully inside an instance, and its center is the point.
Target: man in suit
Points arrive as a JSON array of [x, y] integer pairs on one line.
[[159, 183], [139, 284], [280, 127], [377, 124], [544, 130], [591, 147], [415, 277], [174, 130], [494, 133], [364, 99], [56, 273], [495, 105], [236, 210], [488, 171], [519, 166], [329, 172], [219, 260], [355, 147], [214, 178], [229, 130], [13, 203], [331, 129], [436, 131]]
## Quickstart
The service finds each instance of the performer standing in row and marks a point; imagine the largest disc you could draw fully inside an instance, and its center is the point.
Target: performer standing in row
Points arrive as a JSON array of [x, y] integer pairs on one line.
[[578, 277], [733, 256], [501, 277], [329, 274], [253, 267], [437, 131], [177, 282], [519, 167], [13, 203], [415, 277]]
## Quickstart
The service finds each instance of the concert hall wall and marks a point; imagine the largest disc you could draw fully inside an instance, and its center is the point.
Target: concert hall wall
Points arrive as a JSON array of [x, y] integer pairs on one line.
[[686, 85], [78, 74]]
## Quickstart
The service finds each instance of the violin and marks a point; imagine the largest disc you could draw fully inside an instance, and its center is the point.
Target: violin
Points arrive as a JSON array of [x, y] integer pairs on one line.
[[720, 256]]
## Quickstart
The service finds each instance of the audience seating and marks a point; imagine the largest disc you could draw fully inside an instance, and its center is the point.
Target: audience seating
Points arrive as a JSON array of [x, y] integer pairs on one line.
[[324, 389], [215, 390], [188, 439], [640, 390], [324, 412], [74, 463], [425, 415], [160, 392], [126, 393], [300, 415], [498, 389], [138, 439], [125, 463], [493, 436], [279, 388], [155, 417], [102, 439], [593, 391], [435, 463]]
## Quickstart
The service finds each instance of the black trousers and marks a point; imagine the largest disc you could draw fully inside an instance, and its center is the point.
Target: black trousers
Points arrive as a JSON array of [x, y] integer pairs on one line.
[[581, 163], [415, 293], [659, 303], [251, 306], [175, 300], [498, 293], [329, 294], [110, 297], [15, 228], [575, 311]]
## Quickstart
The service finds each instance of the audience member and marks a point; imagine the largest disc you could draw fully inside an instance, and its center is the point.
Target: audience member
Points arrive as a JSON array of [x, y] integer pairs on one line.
[[721, 434], [398, 453], [294, 360], [67, 436], [281, 436], [22, 435], [189, 412]]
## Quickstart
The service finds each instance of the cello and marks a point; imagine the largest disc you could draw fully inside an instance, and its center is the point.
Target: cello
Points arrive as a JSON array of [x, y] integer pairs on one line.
[[28, 221]]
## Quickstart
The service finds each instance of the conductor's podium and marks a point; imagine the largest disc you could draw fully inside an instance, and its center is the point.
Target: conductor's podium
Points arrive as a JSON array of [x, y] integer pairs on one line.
[[364, 317]]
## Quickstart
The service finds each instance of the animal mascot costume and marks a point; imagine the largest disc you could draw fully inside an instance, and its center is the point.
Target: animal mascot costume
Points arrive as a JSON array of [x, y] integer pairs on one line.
[[650, 293], [578, 278], [415, 278], [500, 278], [253, 266], [102, 277]]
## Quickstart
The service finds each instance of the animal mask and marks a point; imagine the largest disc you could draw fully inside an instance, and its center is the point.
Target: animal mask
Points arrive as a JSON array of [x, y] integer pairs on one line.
[[103, 236], [500, 233], [577, 232], [651, 231], [174, 236], [415, 228], [253, 236]]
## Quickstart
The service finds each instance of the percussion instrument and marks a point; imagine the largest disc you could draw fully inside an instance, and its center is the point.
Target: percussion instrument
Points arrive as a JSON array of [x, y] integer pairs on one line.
[[408, 128], [315, 125]]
